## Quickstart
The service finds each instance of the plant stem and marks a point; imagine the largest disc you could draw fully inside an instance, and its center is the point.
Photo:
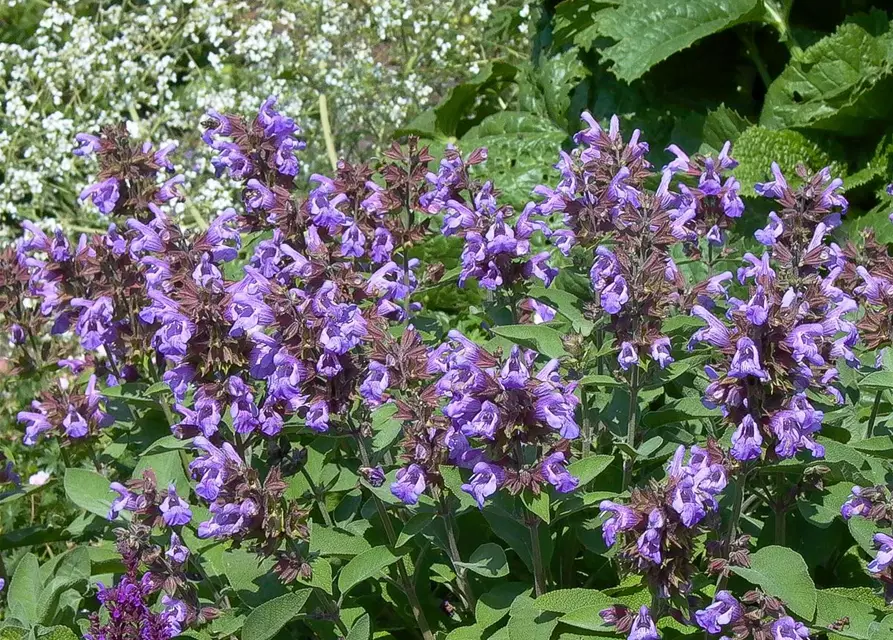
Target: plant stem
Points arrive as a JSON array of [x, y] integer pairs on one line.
[[631, 425], [327, 131], [317, 497], [874, 411], [584, 416], [737, 507], [778, 18], [539, 576], [403, 577], [750, 47], [779, 513], [465, 589]]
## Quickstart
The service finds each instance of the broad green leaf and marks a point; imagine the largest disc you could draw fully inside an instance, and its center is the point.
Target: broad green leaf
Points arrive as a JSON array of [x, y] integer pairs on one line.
[[586, 469], [587, 617], [494, 605], [361, 629], [473, 632], [544, 339], [863, 530], [688, 408], [50, 593], [251, 577], [332, 542], [842, 83], [600, 380], [364, 566], [721, 124], [650, 31], [452, 479], [57, 632], [825, 508], [567, 600], [522, 147], [88, 490], [24, 590], [487, 560], [265, 621], [321, 577], [832, 606], [385, 427], [782, 572], [877, 380], [527, 622], [758, 147]]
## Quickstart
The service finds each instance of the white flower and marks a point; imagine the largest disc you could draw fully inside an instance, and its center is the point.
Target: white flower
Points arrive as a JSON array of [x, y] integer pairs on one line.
[[39, 479]]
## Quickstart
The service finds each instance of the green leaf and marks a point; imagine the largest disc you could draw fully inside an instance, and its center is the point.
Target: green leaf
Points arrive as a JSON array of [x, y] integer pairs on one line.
[[567, 600], [825, 508], [877, 381], [488, 560], [842, 83], [494, 605], [24, 590], [566, 303], [268, 619], [361, 629], [321, 577], [539, 504], [758, 147], [364, 566], [332, 542], [88, 490], [385, 427], [527, 622], [833, 606], [48, 603], [863, 530], [251, 577], [522, 147], [586, 469], [542, 338], [649, 31], [722, 124], [688, 408], [168, 468], [782, 572]]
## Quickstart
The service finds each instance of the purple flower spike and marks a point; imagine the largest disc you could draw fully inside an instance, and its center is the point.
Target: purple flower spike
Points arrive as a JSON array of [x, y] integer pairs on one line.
[[746, 361], [884, 556], [554, 471], [747, 440]]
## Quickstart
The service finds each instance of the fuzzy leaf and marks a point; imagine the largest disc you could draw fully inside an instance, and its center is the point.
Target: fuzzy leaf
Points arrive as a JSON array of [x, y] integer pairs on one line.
[[494, 605], [364, 566], [782, 572], [567, 600], [88, 490], [542, 338], [266, 620], [488, 560], [24, 589], [586, 469]]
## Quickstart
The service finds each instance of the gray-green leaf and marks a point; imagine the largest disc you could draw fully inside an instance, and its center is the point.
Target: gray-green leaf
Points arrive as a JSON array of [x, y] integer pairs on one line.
[[266, 620], [782, 572]]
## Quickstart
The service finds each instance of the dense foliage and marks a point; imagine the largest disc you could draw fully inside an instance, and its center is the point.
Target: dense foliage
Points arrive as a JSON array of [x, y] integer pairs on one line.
[[535, 370]]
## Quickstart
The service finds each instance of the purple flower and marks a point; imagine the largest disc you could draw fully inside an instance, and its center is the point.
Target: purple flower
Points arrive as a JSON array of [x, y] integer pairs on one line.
[[104, 194], [775, 189], [787, 628], [248, 315], [485, 423], [177, 552], [353, 242], [856, 505], [747, 440], [231, 159], [94, 324], [643, 626], [771, 232], [258, 196], [715, 333], [382, 245], [649, 542], [318, 416], [484, 482], [884, 556], [87, 144], [126, 501], [556, 473], [75, 424], [724, 610], [542, 313], [622, 519], [628, 356], [410, 484], [660, 352], [746, 361], [615, 295], [538, 266], [557, 410], [376, 383], [174, 510], [795, 428]]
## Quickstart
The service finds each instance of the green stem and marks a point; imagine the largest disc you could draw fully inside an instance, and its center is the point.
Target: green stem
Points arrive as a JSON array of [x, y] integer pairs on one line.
[[737, 506], [780, 524], [465, 589], [778, 18], [874, 411], [750, 47], [584, 416], [539, 575], [631, 425], [327, 131], [318, 497], [403, 576]]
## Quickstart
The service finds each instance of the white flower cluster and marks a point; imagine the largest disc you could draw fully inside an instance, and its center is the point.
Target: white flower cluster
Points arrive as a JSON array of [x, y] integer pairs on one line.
[[158, 64]]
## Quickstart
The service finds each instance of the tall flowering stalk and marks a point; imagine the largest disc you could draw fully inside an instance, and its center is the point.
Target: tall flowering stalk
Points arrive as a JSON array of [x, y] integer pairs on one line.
[[780, 340]]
